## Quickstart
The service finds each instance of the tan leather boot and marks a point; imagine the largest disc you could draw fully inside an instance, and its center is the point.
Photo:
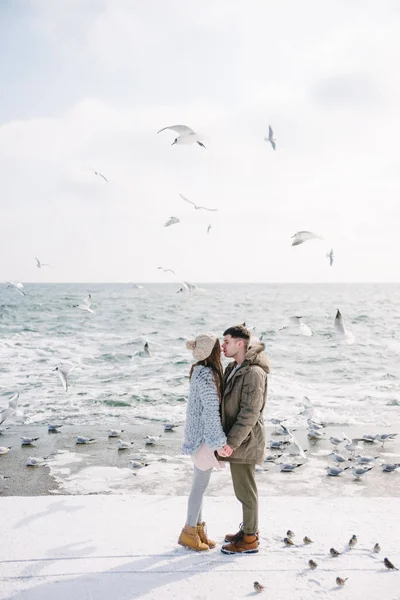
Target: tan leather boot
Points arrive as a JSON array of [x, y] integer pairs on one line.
[[191, 539], [247, 545], [202, 531]]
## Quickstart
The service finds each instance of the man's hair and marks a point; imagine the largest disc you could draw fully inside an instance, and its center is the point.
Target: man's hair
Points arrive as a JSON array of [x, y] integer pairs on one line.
[[238, 331]]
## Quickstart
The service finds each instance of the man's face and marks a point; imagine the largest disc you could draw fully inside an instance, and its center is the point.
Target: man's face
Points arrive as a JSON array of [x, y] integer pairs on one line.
[[231, 346]]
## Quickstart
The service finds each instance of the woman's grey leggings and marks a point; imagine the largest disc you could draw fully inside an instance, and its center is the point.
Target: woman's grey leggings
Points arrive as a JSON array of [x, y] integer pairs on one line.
[[195, 503]]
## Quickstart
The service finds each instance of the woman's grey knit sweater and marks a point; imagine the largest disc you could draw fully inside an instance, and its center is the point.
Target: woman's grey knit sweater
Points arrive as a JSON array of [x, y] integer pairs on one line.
[[203, 421]]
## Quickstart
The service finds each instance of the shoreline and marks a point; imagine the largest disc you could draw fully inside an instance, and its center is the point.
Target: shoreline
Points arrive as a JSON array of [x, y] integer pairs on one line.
[[99, 468]]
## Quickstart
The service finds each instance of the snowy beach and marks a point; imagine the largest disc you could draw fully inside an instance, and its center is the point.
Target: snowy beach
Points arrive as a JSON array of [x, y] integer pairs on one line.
[[125, 547]]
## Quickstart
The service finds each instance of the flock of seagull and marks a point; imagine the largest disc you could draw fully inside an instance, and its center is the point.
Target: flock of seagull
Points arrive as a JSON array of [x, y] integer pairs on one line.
[[189, 136], [138, 460], [349, 458]]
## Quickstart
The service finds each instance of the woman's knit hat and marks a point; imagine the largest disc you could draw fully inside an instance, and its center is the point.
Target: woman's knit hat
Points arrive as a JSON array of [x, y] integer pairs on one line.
[[202, 346]]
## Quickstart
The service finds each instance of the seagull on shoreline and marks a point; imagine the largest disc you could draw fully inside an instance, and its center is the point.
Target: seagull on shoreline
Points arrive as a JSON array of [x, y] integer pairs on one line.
[[335, 471], [151, 440], [271, 138], [186, 135], [16, 285], [122, 445], [289, 467], [358, 472], [27, 441], [52, 428], [196, 206], [390, 467], [32, 461], [172, 221], [113, 433], [4, 449], [385, 437], [80, 439]]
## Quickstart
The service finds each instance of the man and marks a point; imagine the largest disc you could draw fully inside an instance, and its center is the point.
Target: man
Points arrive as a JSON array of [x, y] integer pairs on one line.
[[244, 397]]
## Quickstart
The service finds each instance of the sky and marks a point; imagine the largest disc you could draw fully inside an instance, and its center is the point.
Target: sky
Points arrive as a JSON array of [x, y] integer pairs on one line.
[[87, 84]]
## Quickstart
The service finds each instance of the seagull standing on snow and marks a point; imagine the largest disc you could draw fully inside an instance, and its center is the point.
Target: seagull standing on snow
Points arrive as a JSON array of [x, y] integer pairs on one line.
[[358, 472], [186, 135], [172, 221], [303, 236], [271, 138], [197, 207], [335, 471]]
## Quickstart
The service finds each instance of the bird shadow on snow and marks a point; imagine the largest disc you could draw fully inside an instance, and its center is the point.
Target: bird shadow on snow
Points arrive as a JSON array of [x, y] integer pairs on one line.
[[125, 581], [54, 507]]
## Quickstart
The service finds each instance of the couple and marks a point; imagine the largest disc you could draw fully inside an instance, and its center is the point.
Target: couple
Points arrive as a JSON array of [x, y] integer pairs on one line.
[[224, 423]]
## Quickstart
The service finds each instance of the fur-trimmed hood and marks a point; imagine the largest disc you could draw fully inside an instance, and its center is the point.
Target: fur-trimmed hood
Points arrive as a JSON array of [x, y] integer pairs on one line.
[[255, 356]]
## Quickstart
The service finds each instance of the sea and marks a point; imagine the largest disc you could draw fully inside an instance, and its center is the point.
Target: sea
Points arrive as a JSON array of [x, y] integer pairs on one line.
[[114, 380]]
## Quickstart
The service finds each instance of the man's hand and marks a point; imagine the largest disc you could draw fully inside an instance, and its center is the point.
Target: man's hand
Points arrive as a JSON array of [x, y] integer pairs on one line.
[[225, 450]]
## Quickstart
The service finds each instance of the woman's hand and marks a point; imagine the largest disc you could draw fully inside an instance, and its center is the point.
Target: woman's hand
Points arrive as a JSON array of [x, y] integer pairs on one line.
[[225, 450]]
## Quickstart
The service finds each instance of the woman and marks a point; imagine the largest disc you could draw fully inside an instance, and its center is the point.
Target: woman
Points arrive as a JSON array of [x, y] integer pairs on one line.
[[203, 433]]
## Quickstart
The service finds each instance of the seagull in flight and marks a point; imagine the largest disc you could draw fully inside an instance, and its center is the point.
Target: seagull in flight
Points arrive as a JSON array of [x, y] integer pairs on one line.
[[303, 236], [196, 206], [40, 264], [271, 138], [166, 270], [100, 175], [186, 135], [63, 372], [85, 304], [172, 221], [330, 255], [17, 286]]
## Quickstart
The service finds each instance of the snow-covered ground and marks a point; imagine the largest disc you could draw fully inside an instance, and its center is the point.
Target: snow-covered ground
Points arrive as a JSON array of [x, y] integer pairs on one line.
[[124, 546]]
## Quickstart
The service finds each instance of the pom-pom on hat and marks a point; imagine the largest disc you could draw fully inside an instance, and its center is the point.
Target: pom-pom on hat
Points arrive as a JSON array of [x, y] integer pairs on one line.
[[202, 346]]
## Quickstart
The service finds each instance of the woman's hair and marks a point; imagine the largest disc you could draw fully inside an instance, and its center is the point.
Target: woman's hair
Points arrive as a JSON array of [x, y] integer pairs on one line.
[[214, 362]]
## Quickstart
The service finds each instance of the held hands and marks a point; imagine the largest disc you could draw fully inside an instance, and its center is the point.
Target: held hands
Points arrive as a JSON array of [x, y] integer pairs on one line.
[[225, 450]]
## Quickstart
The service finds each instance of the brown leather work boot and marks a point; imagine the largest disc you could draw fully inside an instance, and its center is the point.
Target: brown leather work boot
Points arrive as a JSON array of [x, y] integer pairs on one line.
[[191, 539], [234, 537], [202, 531], [247, 545]]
